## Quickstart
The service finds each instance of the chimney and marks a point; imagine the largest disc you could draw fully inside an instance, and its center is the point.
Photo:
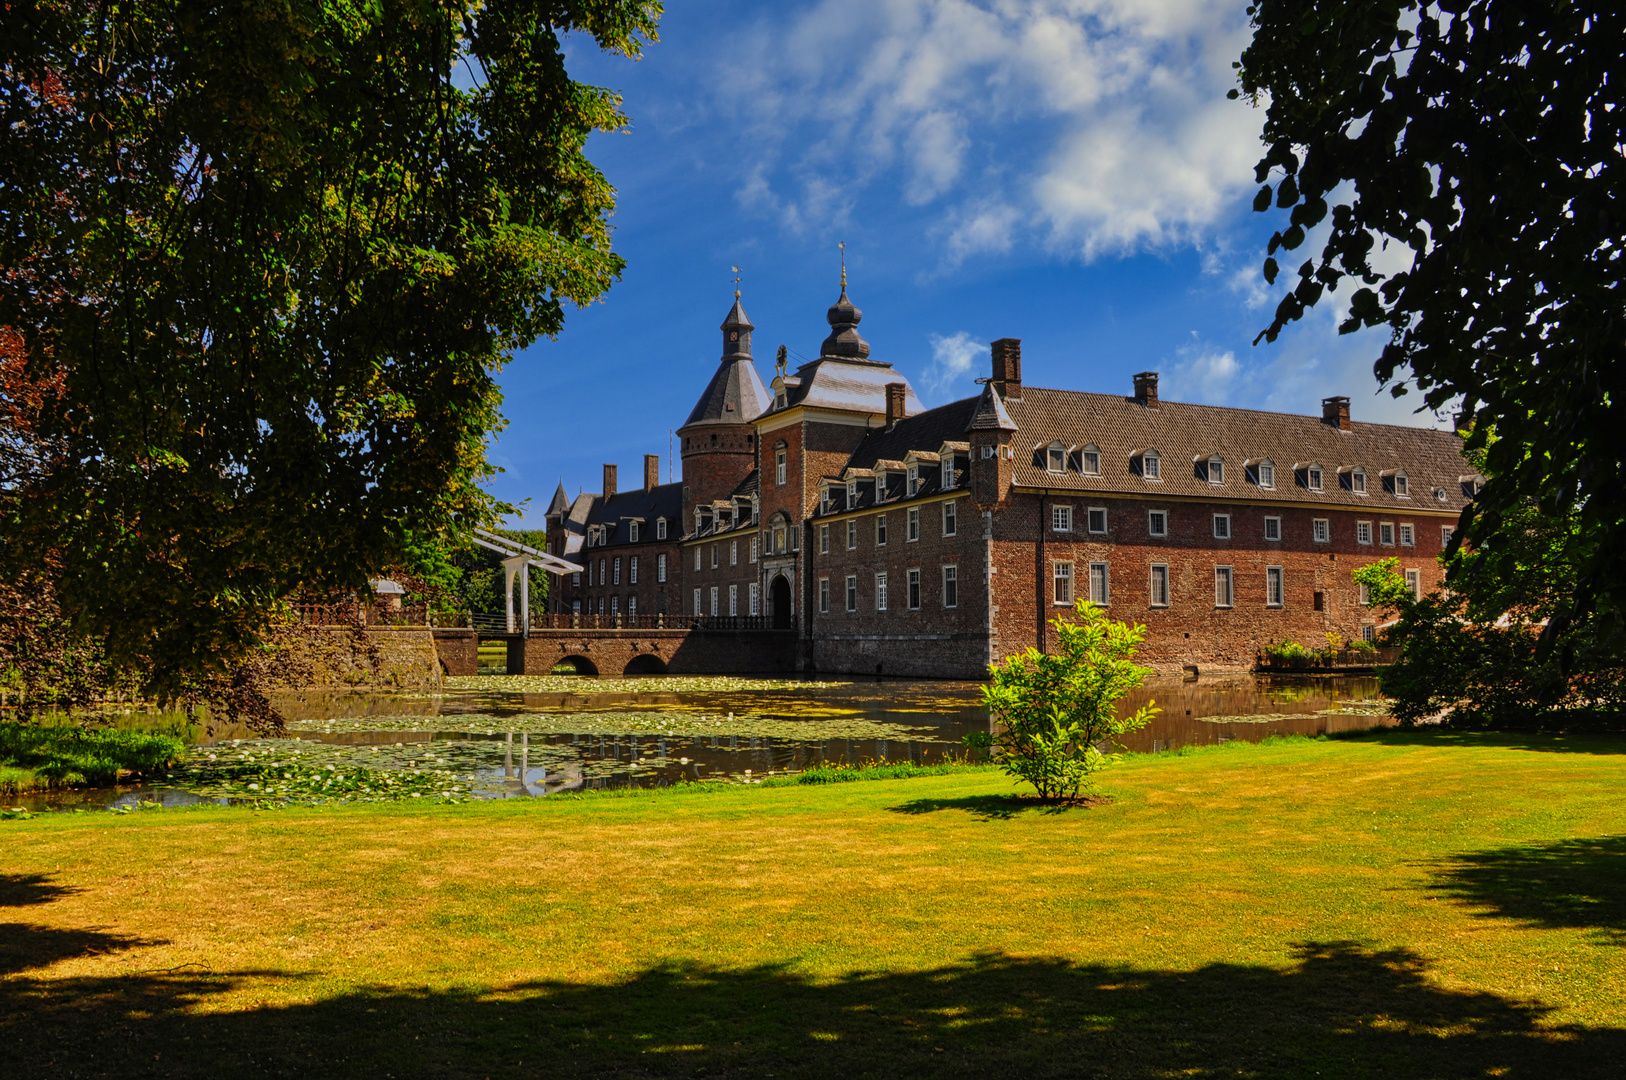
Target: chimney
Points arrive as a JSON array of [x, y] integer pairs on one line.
[[1008, 367], [1335, 411], [652, 471], [609, 480], [894, 403], [1146, 389]]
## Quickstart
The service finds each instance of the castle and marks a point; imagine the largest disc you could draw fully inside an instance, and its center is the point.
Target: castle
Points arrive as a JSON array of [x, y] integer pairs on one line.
[[895, 539]]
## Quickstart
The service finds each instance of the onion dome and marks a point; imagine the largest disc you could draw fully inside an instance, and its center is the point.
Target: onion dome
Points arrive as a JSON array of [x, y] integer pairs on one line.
[[844, 340]]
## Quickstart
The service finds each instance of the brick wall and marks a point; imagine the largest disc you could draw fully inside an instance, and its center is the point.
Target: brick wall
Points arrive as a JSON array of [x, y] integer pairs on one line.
[[653, 595], [734, 566], [375, 658], [715, 460]]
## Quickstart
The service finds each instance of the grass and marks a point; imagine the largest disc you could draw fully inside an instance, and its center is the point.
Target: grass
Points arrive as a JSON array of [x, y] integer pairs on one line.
[[36, 757], [1398, 905]]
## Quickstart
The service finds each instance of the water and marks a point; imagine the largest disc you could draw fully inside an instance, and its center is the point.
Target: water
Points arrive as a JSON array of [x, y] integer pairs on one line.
[[510, 744]]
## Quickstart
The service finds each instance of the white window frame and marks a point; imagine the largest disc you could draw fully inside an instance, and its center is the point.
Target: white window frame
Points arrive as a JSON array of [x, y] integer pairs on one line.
[[1151, 465], [714, 548], [779, 467], [1224, 587], [1408, 534], [1357, 480], [698, 611], [947, 469], [1275, 587], [733, 553], [914, 480], [1061, 519], [1414, 582], [852, 494], [1273, 535], [824, 539], [1320, 531], [632, 570], [1446, 533], [880, 590], [1090, 521], [911, 525], [1061, 582], [660, 528], [753, 549], [1158, 585], [1089, 460], [1386, 529], [1265, 474], [951, 515], [754, 591], [1216, 470], [1313, 477], [1154, 518], [880, 530], [660, 568], [1402, 486], [615, 607], [615, 578], [733, 600], [714, 605], [951, 586], [1055, 459], [697, 558], [1222, 526], [1363, 533], [912, 589], [1100, 584], [824, 596], [852, 534], [632, 532]]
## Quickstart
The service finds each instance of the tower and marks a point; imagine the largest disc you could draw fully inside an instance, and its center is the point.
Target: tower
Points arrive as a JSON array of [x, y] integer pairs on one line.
[[718, 441]]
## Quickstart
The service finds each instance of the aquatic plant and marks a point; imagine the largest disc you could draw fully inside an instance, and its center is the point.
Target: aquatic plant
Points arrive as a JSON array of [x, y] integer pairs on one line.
[[61, 756], [657, 684]]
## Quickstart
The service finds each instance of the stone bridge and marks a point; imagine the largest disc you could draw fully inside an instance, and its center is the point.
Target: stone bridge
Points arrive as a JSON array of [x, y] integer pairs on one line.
[[653, 646]]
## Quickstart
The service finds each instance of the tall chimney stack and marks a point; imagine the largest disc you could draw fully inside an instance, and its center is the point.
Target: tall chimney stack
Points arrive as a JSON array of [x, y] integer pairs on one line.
[[1146, 389], [1335, 411], [1007, 353], [894, 403], [609, 480], [652, 471]]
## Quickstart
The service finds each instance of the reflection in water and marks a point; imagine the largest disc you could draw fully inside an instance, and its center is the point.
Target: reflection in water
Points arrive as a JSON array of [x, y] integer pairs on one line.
[[929, 716]]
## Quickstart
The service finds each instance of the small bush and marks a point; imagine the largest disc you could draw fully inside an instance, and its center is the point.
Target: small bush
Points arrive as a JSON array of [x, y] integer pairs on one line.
[[69, 755], [1291, 654]]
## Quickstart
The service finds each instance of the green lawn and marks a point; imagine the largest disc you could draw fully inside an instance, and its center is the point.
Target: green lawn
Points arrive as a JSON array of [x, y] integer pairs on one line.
[[1391, 906]]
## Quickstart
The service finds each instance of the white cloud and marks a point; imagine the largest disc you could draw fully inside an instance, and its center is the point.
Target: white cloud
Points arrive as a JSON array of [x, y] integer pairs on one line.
[[1203, 374], [1093, 126], [952, 359]]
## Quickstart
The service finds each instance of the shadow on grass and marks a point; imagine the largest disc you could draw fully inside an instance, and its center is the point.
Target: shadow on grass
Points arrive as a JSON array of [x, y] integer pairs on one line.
[[1542, 742], [1570, 884], [22, 890], [1337, 1010], [988, 807]]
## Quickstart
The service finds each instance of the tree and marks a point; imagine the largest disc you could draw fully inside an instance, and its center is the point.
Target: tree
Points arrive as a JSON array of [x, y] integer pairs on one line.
[[262, 262], [1482, 140], [1055, 709]]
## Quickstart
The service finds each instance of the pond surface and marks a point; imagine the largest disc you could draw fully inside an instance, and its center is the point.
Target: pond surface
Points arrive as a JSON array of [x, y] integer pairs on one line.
[[490, 742]]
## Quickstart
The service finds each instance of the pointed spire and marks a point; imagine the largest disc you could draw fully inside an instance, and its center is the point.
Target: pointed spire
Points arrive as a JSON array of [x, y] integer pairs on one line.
[[737, 331], [561, 501], [990, 414]]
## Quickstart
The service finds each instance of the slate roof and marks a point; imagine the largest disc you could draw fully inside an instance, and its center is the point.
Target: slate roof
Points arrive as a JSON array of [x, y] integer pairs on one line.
[[848, 384], [926, 431], [735, 395], [663, 500], [1122, 427]]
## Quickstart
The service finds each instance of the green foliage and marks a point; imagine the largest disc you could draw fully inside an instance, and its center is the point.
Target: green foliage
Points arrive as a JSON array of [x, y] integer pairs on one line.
[[1484, 136], [1385, 585], [1055, 709], [72, 755], [264, 261], [1291, 654], [835, 773]]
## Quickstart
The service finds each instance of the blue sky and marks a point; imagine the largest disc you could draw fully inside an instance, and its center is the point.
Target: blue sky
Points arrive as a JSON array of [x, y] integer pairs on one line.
[[1067, 172]]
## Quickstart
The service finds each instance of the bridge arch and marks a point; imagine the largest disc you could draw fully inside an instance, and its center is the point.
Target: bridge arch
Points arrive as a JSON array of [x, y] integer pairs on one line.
[[581, 664], [646, 664]]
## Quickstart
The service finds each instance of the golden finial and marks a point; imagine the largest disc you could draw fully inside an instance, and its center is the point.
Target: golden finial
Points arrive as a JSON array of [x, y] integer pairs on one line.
[[843, 247], [736, 282]]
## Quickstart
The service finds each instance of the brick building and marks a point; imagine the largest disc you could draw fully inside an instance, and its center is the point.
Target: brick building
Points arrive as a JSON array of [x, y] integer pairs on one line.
[[932, 542]]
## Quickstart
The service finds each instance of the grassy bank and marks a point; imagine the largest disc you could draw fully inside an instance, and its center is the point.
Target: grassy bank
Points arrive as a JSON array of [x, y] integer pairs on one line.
[[1399, 905], [35, 757]]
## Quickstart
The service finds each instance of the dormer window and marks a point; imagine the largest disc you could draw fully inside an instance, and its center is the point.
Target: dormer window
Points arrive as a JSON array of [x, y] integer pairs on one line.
[[948, 471], [779, 398], [1398, 485], [1216, 470], [1357, 481], [1265, 472], [1056, 458], [914, 480], [1090, 460], [660, 528], [852, 494], [632, 532], [1151, 465], [1312, 478]]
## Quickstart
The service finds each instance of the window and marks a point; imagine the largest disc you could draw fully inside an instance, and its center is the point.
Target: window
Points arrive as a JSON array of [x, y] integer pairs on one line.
[[1363, 532], [914, 590], [912, 525], [1056, 459], [1266, 472], [1369, 632], [1312, 478], [1061, 518], [824, 596], [1318, 600], [754, 591], [1157, 522], [1357, 481], [1098, 519], [1446, 532], [1320, 532], [632, 532], [1222, 526], [1408, 536], [824, 539], [1091, 459], [1402, 486], [914, 480], [660, 568], [1364, 592], [615, 607], [714, 548], [951, 586], [1414, 582], [632, 570], [852, 592], [575, 607], [576, 580], [733, 599], [1273, 528], [880, 529], [632, 607], [714, 600], [697, 566], [1273, 586], [1099, 595], [852, 494], [601, 570], [733, 553], [796, 539], [1151, 466], [779, 467], [697, 610], [660, 528], [1216, 470], [753, 549], [1222, 586], [1386, 533], [1062, 573], [852, 535], [880, 590], [1160, 585], [949, 524]]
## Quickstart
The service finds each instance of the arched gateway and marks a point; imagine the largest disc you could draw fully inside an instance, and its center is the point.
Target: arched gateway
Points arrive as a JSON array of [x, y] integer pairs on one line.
[[779, 602]]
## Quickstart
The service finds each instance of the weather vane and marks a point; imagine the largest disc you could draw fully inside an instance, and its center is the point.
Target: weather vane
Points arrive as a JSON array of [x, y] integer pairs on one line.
[[736, 282], [843, 247]]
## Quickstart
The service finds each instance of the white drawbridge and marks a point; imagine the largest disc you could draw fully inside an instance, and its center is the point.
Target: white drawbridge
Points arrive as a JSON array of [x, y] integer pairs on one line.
[[517, 562]]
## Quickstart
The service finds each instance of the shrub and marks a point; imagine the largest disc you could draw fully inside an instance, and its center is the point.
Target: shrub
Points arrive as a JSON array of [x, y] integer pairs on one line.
[[1054, 710], [71, 755], [1291, 654]]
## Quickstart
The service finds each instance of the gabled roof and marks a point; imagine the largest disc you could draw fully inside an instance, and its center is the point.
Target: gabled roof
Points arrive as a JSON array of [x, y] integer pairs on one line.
[[661, 501], [990, 413]]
